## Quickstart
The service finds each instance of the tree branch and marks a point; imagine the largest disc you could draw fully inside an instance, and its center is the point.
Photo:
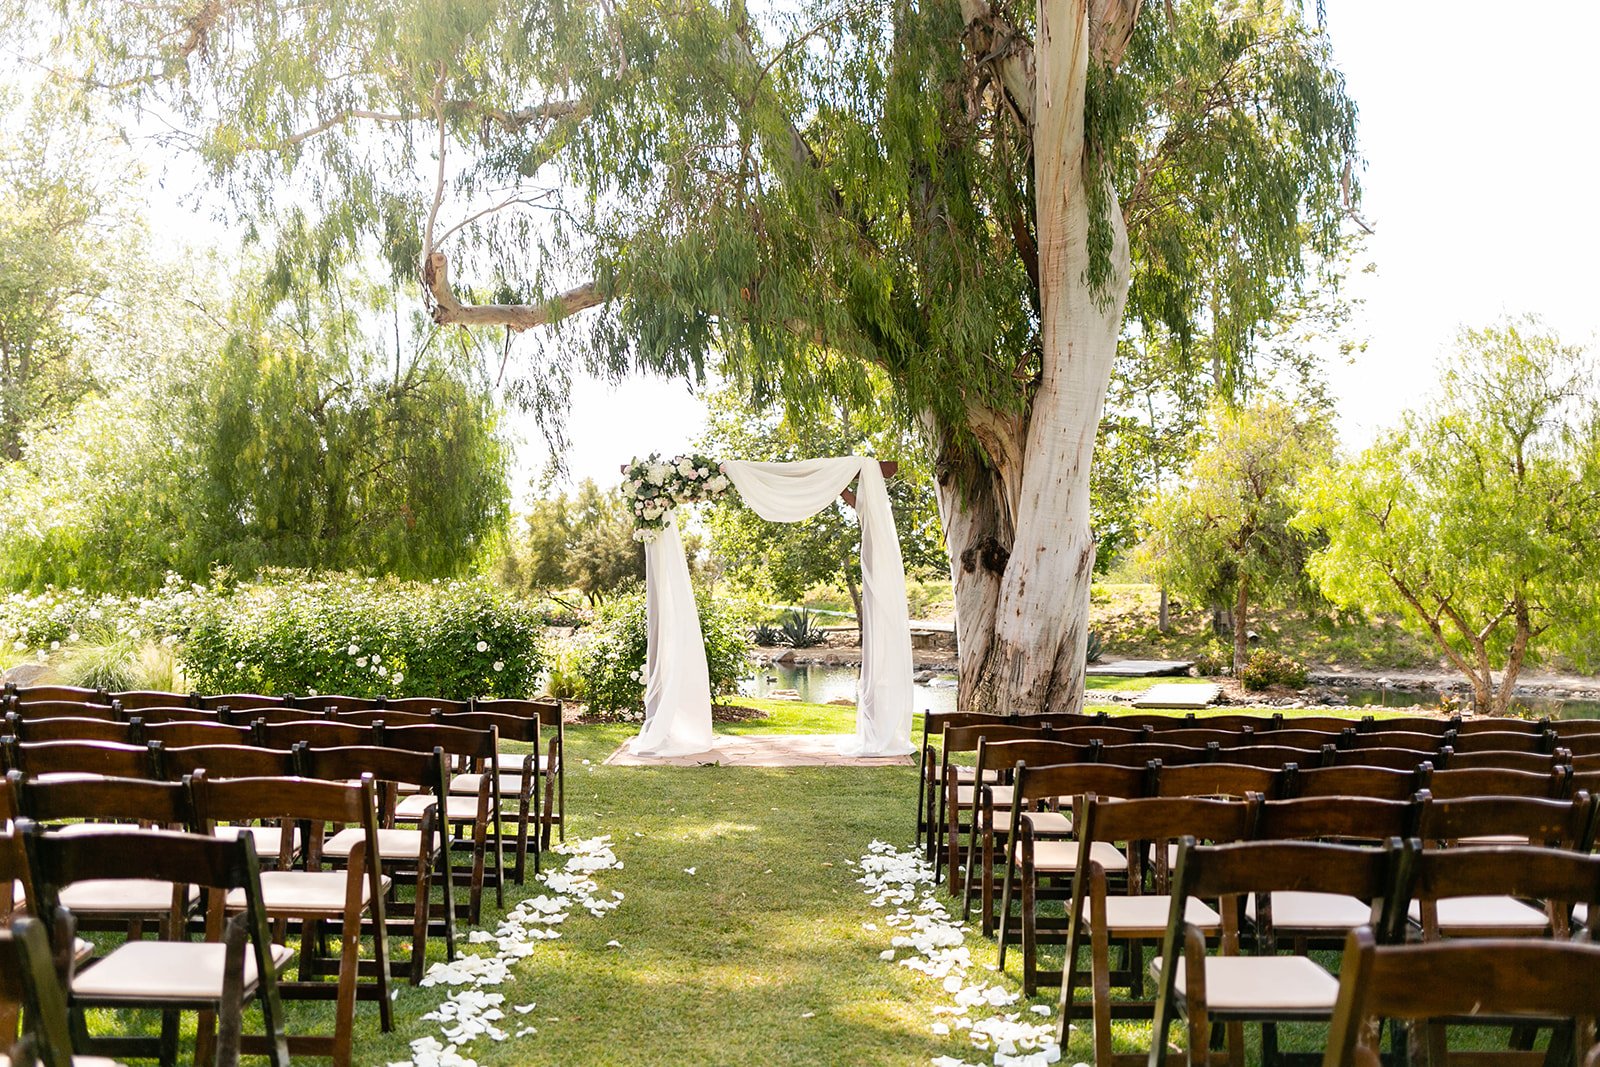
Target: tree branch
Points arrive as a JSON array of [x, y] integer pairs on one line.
[[448, 310], [996, 44]]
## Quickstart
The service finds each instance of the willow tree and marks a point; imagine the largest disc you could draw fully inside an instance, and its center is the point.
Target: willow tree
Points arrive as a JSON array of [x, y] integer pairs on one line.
[[973, 196]]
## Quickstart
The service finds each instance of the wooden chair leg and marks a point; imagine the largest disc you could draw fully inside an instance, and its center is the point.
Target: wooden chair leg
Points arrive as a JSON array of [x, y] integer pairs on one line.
[[1030, 920]]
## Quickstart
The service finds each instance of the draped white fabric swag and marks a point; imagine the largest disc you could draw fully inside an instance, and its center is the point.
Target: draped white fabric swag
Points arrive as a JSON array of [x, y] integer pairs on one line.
[[678, 689]]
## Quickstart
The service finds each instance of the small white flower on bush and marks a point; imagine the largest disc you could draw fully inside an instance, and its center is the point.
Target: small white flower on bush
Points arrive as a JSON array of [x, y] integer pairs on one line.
[[239, 665], [483, 646], [362, 662], [353, 650], [397, 678], [499, 665]]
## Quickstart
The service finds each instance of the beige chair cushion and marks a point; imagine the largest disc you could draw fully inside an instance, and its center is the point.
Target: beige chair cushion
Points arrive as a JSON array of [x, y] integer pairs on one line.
[[963, 774], [1146, 916], [120, 896], [459, 808], [1301, 910], [392, 844], [77, 1061], [467, 785], [1055, 857], [159, 970], [1262, 983], [303, 892], [1580, 914], [74, 829], [268, 838], [1469, 914], [965, 795], [1045, 823]]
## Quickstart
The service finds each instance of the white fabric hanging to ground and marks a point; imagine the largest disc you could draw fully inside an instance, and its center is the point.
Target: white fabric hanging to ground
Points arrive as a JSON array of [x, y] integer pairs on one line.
[[678, 689], [677, 696]]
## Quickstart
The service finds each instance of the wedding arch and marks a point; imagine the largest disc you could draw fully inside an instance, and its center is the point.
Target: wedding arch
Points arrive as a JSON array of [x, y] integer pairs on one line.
[[677, 703]]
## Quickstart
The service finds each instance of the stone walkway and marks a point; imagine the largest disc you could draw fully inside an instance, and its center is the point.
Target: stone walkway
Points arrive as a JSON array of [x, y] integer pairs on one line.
[[762, 750]]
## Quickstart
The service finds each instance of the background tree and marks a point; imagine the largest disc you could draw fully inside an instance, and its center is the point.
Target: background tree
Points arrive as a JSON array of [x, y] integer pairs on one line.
[[1476, 520], [949, 192], [790, 558], [64, 180], [1224, 537], [581, 541]]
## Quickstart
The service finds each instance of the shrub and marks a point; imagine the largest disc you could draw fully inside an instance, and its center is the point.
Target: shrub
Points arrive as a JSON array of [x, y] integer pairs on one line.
[[798, 632], [1214, 659], [1093, 650], [767, 636], [611, 651], [1267, 668], [564, 672], [342, 634]]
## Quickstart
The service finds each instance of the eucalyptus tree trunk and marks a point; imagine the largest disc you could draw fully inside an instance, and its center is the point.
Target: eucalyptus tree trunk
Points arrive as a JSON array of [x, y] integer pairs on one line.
[[1024, 626]]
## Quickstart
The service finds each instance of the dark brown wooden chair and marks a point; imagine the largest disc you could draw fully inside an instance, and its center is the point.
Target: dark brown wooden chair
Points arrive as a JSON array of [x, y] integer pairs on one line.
[[1573, 727], [1453, 782], [242, 701], [418, 856], [1141, 755], [319, 733], [72, 694], [139, 699], [65, 729], [427, 705], [329, 704], [1140, 915], [197, 734], [1225, 721], [150, 716], [1514, 741], [66, 709], [274, 716], [1295, 736], [469, 818], [1268, 988], [1272, 757], [930, 767], [1354, 740], [314, 897], [1381, 783], [1218, 780], [111, 805], [996, 762], [32, 986], [386, 715], [274, 850], [1042, 868], [1200, 738], [958, 794], [1394, 759], [1577, 744], [235, 964], [1533, 762], [83, 759], [1500, 723], [1464, 980], [1419, 724], [532, 792]]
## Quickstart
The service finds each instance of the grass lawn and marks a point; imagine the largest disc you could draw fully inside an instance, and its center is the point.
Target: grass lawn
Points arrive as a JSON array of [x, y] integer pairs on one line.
[[761, 955]]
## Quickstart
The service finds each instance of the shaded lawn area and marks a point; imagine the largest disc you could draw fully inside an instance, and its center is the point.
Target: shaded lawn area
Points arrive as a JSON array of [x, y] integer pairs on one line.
[[759, 956]]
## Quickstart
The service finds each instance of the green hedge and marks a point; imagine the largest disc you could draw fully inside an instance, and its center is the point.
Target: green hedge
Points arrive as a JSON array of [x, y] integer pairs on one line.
[[364, 637]]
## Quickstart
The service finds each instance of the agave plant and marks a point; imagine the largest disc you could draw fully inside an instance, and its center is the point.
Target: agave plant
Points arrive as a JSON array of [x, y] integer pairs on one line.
[[798, 632], [1092, 652]]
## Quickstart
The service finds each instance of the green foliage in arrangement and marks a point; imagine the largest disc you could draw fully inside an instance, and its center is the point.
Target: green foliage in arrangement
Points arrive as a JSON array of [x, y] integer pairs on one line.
[[1475, 521], [611, 651], [1266, 668], [343, 634]]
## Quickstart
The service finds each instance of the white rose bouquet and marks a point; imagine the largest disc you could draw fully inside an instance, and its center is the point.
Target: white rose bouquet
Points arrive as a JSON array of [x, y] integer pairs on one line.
[[654, 486]]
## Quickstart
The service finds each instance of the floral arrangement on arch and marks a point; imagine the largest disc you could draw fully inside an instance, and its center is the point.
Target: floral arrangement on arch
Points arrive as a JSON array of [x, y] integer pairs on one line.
[[654, 486]]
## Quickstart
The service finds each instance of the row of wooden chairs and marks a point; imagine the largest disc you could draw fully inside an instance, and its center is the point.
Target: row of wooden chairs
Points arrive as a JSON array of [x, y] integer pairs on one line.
[[530, 721], [468, 817]]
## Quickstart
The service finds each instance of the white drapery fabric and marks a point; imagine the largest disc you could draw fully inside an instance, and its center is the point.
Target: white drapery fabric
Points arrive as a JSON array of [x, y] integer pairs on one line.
[[677, 695]]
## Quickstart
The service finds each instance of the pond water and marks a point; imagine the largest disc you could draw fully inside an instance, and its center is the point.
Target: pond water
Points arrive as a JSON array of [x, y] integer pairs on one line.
[[819, 685], [1555, 707]]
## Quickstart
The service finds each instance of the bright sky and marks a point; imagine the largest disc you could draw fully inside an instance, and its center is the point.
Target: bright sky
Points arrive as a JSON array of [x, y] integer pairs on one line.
[[1477, 127]]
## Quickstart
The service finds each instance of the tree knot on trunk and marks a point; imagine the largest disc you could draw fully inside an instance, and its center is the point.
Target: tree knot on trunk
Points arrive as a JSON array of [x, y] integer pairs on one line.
[[987, 552]]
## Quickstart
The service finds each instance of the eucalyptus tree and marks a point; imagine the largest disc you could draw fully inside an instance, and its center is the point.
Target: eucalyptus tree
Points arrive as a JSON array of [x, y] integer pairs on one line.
[[971, 197]]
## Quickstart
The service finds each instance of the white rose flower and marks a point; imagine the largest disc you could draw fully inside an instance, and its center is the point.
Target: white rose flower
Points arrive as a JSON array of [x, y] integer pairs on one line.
[[499, 665], [483, 646], [239, 665], [353, 650], [362, 662], [704, 473], [685, 468], [658, 473], [397, 678], [54, 645]]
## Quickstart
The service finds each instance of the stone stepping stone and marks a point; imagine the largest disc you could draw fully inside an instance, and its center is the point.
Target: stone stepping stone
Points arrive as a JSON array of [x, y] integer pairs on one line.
[[1180, 696]]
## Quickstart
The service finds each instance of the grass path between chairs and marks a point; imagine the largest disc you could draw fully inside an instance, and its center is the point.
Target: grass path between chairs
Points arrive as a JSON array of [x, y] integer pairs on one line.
[[760, 956]]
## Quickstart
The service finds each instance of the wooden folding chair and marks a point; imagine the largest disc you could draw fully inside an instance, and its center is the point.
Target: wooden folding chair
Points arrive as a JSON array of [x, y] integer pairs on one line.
[[319, 733], [1140, 915], [1467, 893], [1532, 762], [70, 729], [66, 709], [1380, 783], [1042, 868], [1394, 759], [1464, 980], [532, 792], [1140, 754], [427, 705], [549, 762], [992, 815], [139, 699], [330, 704], [417, 857], [958, 793], [72, 694], [235, 964], [71, 807], [1512, 741], [1453, 782], [314, 897], [32, 985], [242, 701], [471, 815], [930, 767], [177, 714], [1233, 989], [194, 734], [82, 759], [274, 849]]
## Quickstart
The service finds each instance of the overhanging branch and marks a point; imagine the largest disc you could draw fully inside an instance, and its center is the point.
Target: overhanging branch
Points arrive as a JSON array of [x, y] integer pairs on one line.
[[448, 310]]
